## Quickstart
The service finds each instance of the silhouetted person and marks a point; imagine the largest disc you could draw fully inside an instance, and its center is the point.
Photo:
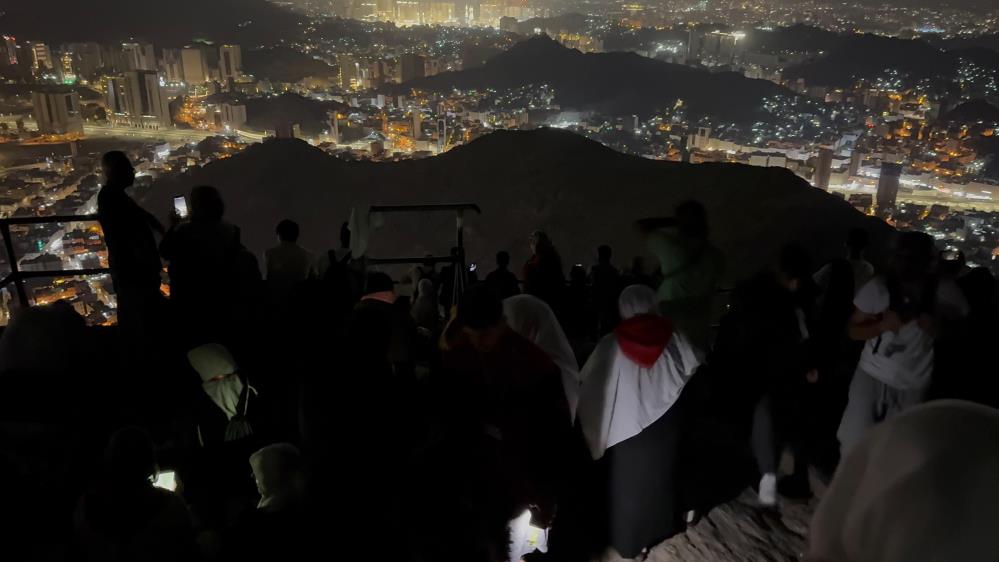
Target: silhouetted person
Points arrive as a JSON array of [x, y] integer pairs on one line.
[[341, 279], [543, 273], [768, 341], [287, 263], [132, 255], [861, 270], [125, 517], [530, 317], [214, 280], [425, 270], [836, 354], [637, 274], [341, 254], [518, 392], [691, 267], [605, 280], [425, 310], [382, 327], [501, 279], [578, 316]]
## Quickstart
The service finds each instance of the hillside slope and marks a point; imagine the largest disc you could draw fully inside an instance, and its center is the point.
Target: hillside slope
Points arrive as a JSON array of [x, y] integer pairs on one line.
[[581, 192]]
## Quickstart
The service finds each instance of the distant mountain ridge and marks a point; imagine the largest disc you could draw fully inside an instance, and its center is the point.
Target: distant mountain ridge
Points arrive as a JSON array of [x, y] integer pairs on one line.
[[974, 110], [616, 83], [583, 193]]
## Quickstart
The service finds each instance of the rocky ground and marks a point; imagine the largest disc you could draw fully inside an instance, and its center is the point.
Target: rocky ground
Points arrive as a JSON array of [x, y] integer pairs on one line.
[[741, 531]]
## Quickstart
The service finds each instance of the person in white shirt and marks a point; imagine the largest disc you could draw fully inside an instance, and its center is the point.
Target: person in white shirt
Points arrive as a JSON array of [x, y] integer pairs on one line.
[[896, 316]]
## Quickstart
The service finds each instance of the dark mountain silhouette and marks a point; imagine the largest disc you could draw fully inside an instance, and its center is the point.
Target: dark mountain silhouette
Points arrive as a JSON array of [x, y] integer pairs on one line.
[[614, 83], [582, 193], [270, 113], [848, 57], [171, 23], [284, 65], [795, 38], [974, 111], [572, 22], [868, 56]]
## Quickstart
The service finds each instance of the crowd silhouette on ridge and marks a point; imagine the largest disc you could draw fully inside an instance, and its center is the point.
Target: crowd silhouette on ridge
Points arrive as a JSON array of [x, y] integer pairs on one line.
[[322, 409]]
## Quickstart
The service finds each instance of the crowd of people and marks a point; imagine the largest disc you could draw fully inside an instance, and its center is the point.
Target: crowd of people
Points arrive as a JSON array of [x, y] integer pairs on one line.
[[318, 407]]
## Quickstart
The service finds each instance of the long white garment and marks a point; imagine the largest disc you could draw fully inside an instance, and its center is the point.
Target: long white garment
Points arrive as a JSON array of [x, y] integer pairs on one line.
[[618, 397], [219, 381], [922, 486], [532, 318]]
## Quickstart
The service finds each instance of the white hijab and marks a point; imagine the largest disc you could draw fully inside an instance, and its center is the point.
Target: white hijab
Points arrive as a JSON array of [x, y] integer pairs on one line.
[[923, 485], [218, 375], [277, 471], [619, 398], [532, 318]]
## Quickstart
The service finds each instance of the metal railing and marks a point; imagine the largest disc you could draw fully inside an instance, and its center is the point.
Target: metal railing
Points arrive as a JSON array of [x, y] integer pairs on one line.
[[16, 276]]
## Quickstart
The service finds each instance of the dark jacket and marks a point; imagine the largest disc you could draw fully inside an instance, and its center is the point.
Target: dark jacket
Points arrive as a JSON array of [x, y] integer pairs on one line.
[[128, 233]]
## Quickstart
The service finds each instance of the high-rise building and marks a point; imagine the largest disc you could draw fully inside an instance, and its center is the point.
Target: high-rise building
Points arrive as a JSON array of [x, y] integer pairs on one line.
[[57, 112], [349, 71], [441, 12], [407, 12], [233, 115], [42, 56], [888, 186], [364, 9], [146, 100], [417, 123], [116, 92], [385, 10], [432, 67], [136, 100], [411, 67], [490, 12], [88, 59], [441, 133], [67, 68], [172, 65], [138, 56], [195, 65], [856, 159], [334, 118], [8, 50], [230, 62], [823, 168]]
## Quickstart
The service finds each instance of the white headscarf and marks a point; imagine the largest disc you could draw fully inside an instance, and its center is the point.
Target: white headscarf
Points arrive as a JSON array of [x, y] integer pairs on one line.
[[620, 398], [218, 375], [277, 470], [923, 485], [532, 318]]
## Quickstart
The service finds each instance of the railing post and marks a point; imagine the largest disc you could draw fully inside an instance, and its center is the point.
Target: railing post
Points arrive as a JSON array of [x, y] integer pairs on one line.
[[15, 273], [461, 274]]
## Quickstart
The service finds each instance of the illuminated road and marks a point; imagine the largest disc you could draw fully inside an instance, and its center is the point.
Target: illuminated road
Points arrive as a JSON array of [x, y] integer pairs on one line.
[[171, 135], [94, 130]]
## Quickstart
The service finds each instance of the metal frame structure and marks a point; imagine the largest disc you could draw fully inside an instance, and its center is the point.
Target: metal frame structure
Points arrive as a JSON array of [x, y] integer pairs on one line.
[[16, 276], [460, 273]]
